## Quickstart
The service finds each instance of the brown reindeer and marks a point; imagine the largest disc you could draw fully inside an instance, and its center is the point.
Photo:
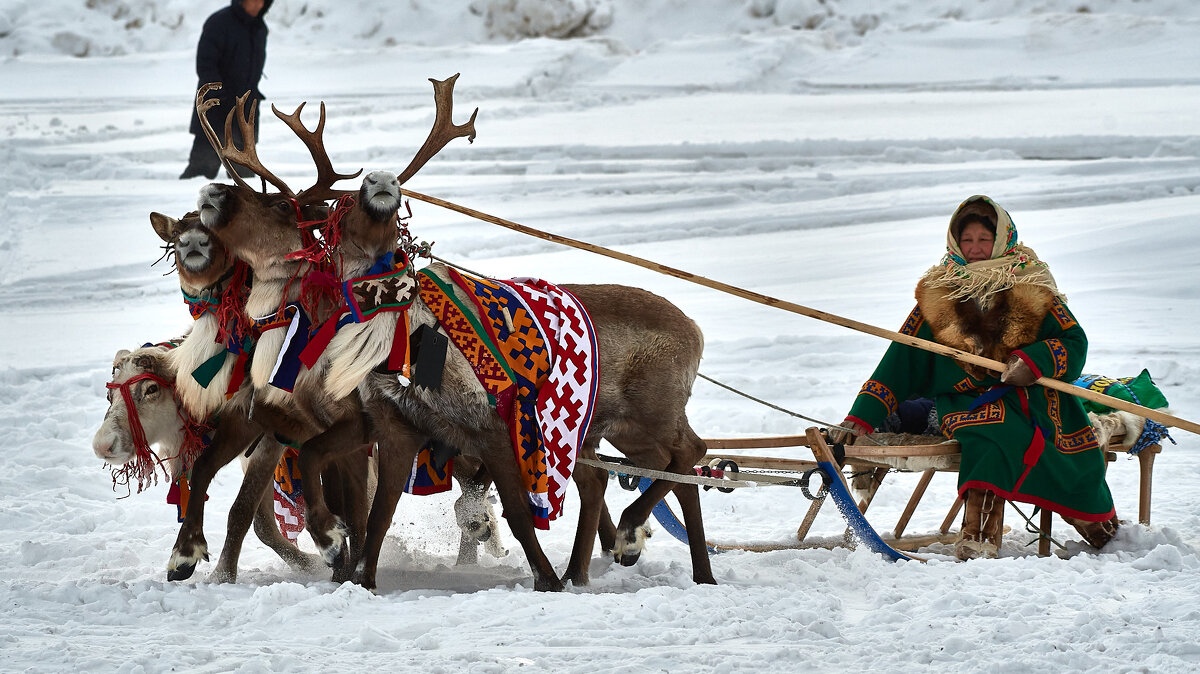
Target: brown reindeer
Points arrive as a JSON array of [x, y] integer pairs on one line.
[[648, 349]]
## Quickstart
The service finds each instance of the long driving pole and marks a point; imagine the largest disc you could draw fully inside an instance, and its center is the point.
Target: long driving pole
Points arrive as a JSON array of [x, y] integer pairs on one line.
[[934, 347]]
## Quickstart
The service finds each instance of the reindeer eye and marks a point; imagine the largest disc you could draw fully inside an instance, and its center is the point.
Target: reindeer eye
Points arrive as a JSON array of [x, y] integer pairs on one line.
[[151, 390]]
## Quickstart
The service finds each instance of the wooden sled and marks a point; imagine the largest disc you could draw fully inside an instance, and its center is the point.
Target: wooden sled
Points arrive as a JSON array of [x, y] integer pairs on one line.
[[905, 453]]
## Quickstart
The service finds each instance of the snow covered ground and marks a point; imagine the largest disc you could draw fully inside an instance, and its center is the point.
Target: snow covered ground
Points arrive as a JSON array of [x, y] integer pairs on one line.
[[812, 151]]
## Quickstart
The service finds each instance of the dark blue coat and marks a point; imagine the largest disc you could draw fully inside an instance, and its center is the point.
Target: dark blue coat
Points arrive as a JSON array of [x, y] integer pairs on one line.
[[232, 50]]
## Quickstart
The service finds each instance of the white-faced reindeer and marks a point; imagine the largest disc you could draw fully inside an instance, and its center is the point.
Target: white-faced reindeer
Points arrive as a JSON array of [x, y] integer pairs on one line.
[[148, 413], [649, 354]]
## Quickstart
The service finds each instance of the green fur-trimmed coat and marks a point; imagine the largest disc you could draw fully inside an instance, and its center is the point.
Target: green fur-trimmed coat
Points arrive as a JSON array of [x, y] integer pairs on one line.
[[1030, 444]]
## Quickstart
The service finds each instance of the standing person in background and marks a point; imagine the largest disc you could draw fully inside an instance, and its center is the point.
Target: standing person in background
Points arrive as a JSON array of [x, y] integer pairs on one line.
[[232, 50]]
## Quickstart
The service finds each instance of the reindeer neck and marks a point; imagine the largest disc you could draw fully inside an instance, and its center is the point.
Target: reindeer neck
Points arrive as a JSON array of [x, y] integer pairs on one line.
[[268, 295], [363, 241]]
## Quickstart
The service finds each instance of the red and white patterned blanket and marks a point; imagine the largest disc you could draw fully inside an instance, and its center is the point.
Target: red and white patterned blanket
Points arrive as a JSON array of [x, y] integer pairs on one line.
[[565, 402]]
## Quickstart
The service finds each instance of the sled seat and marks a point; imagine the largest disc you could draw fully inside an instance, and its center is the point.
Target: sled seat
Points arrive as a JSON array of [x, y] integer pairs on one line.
[[907, 453]]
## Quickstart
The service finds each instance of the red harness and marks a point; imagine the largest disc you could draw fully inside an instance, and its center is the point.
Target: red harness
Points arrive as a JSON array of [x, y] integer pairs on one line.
[[144, 465]]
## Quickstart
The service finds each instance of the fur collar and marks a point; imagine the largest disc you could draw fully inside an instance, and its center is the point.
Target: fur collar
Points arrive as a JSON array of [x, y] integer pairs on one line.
[[1011, 322]]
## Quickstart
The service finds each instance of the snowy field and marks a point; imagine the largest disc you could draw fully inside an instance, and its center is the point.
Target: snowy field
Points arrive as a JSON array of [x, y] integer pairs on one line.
[[812, 151]]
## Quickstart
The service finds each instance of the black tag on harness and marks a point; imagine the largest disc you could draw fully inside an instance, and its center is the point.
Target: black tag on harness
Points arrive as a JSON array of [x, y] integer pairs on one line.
[[430, 357]]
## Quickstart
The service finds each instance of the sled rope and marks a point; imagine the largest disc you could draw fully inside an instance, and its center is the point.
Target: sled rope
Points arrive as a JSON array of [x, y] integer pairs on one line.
[[910, 340], [752, 479], [867, 438], [1035, 529]]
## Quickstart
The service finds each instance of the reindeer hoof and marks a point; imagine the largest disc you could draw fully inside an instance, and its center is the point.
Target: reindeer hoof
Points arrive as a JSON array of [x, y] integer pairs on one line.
[[627, 558], [181, 572], [548, 584], [222, 576], [334, 551]]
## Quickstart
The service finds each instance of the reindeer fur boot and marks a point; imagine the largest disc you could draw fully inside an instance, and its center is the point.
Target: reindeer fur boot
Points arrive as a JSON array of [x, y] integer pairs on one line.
[[983, 525], [1097, 534]]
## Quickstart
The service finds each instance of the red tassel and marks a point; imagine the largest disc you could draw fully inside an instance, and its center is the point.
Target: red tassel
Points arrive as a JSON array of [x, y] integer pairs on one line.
[[316, 346], [237, 376]]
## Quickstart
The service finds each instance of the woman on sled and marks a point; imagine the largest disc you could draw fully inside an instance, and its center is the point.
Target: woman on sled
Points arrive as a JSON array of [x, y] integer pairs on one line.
[[993, 297]]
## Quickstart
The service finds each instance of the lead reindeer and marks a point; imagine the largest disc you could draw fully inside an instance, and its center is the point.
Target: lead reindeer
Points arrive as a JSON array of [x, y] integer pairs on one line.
[[648, 350]]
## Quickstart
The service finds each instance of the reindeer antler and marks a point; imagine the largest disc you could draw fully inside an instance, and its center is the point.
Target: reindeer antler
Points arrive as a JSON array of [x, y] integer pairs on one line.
[[322, 190], [228, 151], [444, 130]]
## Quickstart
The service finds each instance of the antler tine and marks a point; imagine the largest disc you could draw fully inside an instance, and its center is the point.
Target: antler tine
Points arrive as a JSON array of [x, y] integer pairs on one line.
[[228, 152], [248, 155], [203, 105], [444, 129], [322, 190]]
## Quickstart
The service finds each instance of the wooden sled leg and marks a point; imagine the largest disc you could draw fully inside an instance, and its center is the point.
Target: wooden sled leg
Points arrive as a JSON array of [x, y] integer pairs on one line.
[[913, 501], [809, 518], [839, 491], [1146, 463], [952, 515]]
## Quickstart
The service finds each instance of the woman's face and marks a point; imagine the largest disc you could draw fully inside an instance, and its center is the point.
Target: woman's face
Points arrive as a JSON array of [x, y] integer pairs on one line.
[[975, 242], [252, 7]]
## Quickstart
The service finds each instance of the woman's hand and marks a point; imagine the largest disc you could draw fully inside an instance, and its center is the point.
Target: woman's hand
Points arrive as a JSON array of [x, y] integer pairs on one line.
[[847, 433], [1017, 372]]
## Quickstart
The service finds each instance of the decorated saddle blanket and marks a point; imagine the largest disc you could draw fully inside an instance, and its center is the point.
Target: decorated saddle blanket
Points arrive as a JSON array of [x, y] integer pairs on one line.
[[533, 348]]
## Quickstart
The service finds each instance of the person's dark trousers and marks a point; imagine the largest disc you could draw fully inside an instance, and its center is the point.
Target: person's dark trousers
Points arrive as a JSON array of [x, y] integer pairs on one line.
[[202, 161]]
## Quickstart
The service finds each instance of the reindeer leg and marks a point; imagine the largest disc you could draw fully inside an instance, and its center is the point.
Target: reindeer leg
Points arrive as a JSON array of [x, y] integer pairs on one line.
[[327, 530], [243, 509], [689, 502], [352, 479], [255, 500], [475, 516], [591, 484], [606, 530], [684, 449], [231, 437], [397, 444], [503, 470]]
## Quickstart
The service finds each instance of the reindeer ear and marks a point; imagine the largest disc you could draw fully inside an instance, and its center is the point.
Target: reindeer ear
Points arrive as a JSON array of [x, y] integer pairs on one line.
[[145, 361], [165, 226], [120, 356]]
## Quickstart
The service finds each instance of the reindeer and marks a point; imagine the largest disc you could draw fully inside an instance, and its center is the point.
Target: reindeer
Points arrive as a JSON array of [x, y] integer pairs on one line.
[[148, 413], [649, 350], [324, 428]]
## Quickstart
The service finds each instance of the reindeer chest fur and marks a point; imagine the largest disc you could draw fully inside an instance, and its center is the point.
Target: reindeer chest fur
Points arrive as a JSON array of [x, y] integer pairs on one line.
[[200, 346]]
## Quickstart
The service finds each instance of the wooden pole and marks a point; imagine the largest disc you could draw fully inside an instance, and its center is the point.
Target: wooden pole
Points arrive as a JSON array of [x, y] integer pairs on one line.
[[934, 347]]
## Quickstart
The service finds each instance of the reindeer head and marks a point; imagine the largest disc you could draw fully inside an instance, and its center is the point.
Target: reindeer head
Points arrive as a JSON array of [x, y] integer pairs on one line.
[[143, 413], [200, 258], [262, 228]]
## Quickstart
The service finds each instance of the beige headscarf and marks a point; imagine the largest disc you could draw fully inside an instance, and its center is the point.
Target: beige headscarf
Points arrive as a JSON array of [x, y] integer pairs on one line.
[[1011, 263]]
